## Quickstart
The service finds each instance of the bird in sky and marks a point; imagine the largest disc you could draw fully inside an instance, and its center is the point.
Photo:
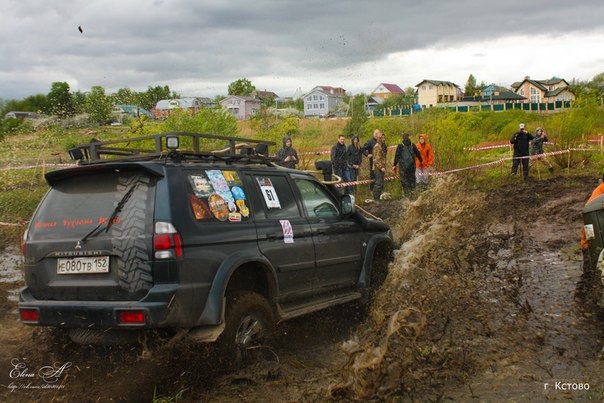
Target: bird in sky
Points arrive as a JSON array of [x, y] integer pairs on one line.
[[80, 29]]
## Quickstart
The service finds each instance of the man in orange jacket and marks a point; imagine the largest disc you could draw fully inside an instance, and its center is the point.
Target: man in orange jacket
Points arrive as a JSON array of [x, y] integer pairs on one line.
[[423, 165]]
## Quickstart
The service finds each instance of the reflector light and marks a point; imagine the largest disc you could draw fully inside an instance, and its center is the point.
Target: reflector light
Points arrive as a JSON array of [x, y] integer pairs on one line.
[[29, 315], [131, 317]]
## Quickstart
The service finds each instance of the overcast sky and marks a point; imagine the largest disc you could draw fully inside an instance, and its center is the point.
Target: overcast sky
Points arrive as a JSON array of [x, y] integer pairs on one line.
[[198, 47]]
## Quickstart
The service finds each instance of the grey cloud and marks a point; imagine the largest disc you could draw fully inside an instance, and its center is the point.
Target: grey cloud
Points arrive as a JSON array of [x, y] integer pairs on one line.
[[139, 43]]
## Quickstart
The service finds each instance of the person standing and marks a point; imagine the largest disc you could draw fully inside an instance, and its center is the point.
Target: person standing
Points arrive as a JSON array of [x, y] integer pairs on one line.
[[368, 151], [405, 158], [339, 160], [537, 148], [287, 156], [379, 165], [423, 165], [354, 156], [521, 140]]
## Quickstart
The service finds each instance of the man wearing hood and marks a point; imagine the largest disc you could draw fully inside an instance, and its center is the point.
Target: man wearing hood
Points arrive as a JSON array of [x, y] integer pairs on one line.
[[423, 165], [287, 156], [404, 161]]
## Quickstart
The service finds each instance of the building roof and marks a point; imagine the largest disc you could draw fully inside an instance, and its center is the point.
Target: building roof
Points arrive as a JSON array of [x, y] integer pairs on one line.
[[392, 88], [328, 90], [438, 82], [266, 94]]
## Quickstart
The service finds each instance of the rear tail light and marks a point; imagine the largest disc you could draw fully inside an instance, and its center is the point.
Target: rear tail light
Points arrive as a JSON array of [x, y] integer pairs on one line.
[[133, 317], [167, 242], [29, 315], [23, 243]]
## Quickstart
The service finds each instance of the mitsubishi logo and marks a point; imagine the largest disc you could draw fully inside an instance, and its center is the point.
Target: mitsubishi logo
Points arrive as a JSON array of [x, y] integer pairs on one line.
[[78, 245]]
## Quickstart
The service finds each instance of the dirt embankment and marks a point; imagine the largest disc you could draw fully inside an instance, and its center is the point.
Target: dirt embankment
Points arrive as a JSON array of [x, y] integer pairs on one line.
[[482, 303]]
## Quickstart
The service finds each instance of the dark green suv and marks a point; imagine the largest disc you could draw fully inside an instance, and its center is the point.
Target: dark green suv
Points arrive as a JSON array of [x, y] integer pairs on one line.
[[222, 243]]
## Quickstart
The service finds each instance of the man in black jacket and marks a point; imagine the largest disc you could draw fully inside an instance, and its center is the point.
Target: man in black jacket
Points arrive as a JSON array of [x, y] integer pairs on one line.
[[368, 151], [521, 140]]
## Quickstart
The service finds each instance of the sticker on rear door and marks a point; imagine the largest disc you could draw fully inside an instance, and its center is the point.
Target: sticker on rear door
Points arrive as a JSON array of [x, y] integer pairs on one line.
[[288, 231], [589, 231]]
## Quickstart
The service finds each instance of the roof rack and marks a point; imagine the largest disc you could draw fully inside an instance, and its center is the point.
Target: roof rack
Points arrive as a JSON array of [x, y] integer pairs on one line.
[[169, 145]]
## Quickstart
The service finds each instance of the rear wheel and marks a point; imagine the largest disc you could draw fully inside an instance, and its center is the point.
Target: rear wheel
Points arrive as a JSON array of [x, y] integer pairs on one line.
[[249, 327]]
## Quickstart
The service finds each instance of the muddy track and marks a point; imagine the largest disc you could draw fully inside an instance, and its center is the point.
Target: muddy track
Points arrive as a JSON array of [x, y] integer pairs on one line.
[[535, 329]]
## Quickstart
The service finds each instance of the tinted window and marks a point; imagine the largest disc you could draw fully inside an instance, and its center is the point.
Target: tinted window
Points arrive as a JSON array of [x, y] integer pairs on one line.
[[316, 200], [217, 195], [277, 197], [75, 206]]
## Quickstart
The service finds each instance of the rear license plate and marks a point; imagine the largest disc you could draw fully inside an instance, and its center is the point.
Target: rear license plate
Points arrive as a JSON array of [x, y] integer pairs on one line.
[[83, 265]]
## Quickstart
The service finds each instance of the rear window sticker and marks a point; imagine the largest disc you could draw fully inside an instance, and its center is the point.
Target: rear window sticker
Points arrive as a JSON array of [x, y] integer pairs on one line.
[[238, 193], [234, 217], [589, 231], [201, 186], [200, 208], [221, 186], [243, 208], [288, 231], [232, 178], [268, 192], [218, 207]]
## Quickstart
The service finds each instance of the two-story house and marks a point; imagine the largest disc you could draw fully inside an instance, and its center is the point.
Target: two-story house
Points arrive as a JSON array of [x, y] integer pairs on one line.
[[323, 100], [537, 91], [241, 107], [384, 90], [432, 92]]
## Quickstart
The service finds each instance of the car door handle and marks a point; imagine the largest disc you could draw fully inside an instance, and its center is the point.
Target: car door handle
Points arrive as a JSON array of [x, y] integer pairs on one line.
[[272, 235]]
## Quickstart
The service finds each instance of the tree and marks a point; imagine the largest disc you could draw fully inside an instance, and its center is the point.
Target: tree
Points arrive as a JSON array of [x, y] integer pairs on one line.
[[241, 87], [153, 95], [59, 100], [358, 115], [125, 96], [98, 105], [471, 88]]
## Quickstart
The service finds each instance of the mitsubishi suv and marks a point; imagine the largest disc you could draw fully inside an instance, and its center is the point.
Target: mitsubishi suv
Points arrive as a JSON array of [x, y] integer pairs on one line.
[[155, 233]]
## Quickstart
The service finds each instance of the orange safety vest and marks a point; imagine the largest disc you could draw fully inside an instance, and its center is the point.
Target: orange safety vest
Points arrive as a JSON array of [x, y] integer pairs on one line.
[[425, 150]]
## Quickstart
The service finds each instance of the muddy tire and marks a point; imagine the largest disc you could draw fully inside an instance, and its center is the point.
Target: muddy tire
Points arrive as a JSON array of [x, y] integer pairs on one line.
[[129, 237], [249, 328]]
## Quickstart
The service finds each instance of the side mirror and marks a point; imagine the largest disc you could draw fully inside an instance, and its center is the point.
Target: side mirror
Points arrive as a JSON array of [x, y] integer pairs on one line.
[[347, 204]]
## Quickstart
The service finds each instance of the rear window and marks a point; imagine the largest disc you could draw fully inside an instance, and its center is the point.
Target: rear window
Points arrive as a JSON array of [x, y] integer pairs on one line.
[[75, 206]]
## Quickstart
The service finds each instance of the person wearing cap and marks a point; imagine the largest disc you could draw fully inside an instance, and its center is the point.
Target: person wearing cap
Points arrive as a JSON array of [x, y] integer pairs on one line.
[[423, 165], [537, 147], [521, 140]]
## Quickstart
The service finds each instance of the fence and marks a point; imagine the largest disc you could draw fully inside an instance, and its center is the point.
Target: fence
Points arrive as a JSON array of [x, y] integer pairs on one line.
[[495, 107]]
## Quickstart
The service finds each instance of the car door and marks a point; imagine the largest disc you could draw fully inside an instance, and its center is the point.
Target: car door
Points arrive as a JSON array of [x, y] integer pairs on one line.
[[284, 235], [337, 239]]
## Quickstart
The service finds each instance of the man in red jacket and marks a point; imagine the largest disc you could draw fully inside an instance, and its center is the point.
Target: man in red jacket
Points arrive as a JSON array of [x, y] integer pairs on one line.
[[423, 165]]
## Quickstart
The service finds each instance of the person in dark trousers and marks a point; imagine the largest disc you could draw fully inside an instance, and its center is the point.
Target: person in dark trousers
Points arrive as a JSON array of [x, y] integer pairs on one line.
[[521, 140], [368, 151], [354, 156], [287, 156], [379, 165], [404, 161], [339, 160], [537, 148]]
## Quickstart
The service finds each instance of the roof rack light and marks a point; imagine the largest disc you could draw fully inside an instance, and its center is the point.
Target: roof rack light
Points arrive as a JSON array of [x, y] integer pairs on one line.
[[172, 142]]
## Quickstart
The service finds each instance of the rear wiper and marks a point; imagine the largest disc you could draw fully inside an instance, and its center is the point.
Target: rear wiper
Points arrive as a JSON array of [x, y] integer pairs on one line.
[[111, 218]]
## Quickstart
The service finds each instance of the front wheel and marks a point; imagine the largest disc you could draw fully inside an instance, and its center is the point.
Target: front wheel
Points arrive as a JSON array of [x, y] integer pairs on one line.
[[249, 326]]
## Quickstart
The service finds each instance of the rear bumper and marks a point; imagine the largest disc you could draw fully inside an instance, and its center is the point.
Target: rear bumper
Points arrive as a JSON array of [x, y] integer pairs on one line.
[[164, 306]]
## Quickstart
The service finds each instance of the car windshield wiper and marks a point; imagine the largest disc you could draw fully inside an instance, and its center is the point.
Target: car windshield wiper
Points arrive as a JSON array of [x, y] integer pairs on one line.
[[112, 217]]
